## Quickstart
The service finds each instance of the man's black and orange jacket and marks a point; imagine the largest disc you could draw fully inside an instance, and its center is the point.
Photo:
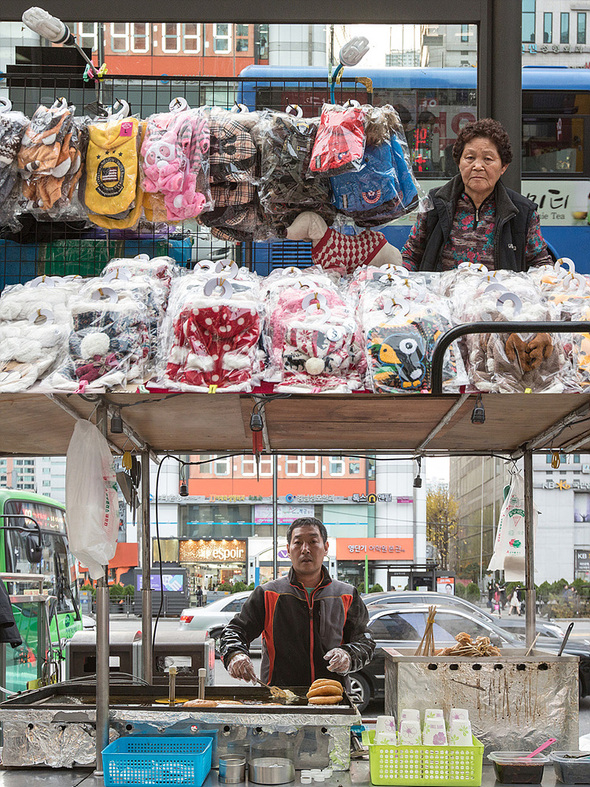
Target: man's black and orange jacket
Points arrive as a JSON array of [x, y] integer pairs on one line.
[[297, 631]]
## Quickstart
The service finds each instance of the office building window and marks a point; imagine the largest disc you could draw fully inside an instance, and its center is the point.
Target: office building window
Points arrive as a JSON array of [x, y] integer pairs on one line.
[[88, 35], [564, 28], [581, 37], [354, 467], [548, 28], [292, 466], [222, 38], [336, 466], [310, 466], [140, 37], [171, 38], [191, 37], [222, 466], [528, 21], [464, 33], [120, 36], [242, 38]]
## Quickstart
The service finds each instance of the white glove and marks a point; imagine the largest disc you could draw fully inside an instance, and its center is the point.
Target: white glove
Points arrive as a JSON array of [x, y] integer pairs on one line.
[[241, 667], [339, 660]]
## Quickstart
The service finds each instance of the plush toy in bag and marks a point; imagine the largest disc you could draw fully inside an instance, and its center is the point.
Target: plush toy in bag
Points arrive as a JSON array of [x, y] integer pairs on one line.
[[313, 341], [212, 332]]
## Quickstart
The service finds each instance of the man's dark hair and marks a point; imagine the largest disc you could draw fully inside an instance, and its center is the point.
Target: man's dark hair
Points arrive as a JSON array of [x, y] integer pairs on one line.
[[488, 128], [307, 521]]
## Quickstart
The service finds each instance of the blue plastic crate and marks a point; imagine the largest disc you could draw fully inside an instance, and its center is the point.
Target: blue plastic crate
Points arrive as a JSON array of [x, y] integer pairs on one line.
[[157, 761]]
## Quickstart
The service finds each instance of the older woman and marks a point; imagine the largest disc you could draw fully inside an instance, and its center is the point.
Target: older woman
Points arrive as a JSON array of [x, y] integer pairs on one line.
[[474, 217]]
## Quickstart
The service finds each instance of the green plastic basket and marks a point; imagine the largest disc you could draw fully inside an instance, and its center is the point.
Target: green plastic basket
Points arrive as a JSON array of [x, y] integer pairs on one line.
[[452, 766]]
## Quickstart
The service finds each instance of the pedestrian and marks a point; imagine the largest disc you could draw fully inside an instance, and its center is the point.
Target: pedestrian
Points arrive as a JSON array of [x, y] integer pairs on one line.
[[199, 596], [497, 606], [515, 602], [502, 589], [312, 626]]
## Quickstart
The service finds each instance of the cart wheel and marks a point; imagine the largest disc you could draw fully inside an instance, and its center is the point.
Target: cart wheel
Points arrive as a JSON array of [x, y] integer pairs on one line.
[[360, 691]]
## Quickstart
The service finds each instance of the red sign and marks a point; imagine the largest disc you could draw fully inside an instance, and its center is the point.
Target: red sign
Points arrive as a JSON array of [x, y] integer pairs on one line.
[[375, 548]]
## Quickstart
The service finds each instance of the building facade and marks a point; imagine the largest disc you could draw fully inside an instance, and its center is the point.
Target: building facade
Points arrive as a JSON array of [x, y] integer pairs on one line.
[[562, 499]]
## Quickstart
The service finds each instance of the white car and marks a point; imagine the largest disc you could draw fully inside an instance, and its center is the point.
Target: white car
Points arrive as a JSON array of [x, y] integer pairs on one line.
[[213, 617]]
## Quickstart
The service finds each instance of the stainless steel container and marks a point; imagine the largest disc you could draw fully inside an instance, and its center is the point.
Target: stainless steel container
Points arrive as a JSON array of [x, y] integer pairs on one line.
[[271, 770], [232, 769]]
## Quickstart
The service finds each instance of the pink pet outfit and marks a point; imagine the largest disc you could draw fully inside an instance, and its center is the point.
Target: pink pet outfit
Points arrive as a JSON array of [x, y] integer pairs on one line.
[[175, 162], [312, 338], [340, 142]]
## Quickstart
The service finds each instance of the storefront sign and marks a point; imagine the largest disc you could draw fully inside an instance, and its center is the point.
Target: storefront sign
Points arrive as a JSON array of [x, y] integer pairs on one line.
[[375, 548], [446, 585], [564, 485], [405, 499], [581, 561], [384, 497], [263, 514], [554, 49], [226, 551]]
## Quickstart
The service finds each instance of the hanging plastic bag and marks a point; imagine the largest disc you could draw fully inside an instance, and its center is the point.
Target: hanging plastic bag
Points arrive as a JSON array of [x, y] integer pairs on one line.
[[509, 547], [91, 499]]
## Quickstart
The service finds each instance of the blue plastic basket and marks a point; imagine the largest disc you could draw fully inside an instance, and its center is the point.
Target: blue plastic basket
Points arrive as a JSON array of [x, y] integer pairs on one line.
[[157, 761]]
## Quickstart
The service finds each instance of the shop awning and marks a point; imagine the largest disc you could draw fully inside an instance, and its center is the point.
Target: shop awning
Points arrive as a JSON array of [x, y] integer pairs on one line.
[[40, 425]]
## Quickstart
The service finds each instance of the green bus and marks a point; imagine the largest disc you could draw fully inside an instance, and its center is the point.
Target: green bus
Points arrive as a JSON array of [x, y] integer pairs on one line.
[[33, 541]]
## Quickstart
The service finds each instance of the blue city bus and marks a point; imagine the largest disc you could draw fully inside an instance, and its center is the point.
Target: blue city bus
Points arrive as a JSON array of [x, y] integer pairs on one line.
[[433, 104]]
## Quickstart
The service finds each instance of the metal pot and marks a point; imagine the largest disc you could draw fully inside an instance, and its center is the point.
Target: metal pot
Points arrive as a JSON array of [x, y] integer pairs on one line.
[[271, 770], [232, 769]]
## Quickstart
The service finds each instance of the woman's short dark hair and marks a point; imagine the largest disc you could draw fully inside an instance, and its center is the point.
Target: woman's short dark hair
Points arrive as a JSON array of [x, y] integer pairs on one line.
[[307, 521], [486, 127]]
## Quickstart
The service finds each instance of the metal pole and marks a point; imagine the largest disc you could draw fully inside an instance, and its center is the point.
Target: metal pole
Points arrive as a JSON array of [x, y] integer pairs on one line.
[[146, 564], [529, 550], [275, 518], [102, 639]]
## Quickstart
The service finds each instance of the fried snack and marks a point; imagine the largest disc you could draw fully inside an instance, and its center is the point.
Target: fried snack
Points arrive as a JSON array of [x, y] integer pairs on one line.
[[230, 702], [334, 700], [196, 703], [325, 691], [466, 647], [326, 682]]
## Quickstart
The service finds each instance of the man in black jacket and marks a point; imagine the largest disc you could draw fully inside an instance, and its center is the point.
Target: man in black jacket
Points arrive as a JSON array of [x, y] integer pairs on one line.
[[312, 626]]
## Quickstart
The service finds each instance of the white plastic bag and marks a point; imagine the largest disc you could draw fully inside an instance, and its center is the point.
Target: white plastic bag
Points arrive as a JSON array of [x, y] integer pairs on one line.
[[509, 548], [91, 499]]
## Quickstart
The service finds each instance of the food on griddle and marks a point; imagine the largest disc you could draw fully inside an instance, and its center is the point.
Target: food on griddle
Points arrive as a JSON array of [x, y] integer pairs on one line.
[[481, 646], [196, 703], [325, 692]]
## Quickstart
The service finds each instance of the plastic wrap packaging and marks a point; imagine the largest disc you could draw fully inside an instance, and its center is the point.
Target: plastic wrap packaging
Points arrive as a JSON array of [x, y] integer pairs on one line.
[[12, 128], [35, 322], [175, 162], [50, 162], [568, 294], [151, 281], [340, 141], [111, 183], [383, 188], [312, 339], [211, 332], [402, 321], [286, 187], [109, 344], [233, 173], [508, 362]]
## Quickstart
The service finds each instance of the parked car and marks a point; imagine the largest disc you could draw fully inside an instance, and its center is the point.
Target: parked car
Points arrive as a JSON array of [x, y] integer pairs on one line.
[[402, 626], [214, 616], [429, 597], [552, 631]]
